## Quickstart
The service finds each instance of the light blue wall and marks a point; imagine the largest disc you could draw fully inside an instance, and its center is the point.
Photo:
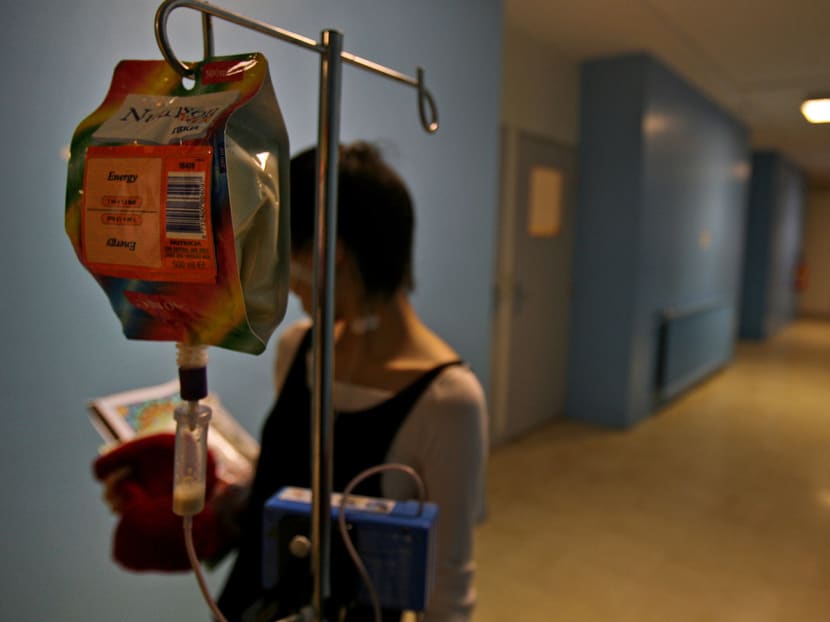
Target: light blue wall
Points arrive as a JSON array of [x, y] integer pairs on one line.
[[61, 342], [659, 226], [607, 219], [774, 245]]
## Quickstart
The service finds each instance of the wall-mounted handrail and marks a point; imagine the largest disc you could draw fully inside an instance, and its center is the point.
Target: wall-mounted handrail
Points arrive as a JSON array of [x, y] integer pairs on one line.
[[675, 313]]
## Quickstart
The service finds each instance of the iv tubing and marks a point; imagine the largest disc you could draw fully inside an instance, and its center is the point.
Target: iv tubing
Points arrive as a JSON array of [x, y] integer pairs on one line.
[[344, 531], [197, 568], [192, 424]]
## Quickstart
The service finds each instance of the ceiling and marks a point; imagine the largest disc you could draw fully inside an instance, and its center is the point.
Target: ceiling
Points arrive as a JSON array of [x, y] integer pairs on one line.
[[757, 58]]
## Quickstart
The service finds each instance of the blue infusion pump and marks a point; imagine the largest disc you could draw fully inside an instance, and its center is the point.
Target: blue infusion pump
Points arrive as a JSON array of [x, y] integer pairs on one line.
[[396, 541]]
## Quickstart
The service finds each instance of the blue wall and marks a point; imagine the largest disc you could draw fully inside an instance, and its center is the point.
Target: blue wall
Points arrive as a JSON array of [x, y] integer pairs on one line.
[[659, 228], [773, 248], [61, 343]]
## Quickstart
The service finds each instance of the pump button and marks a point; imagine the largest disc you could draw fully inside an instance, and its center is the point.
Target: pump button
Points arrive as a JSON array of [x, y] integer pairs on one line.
[[300, 547]]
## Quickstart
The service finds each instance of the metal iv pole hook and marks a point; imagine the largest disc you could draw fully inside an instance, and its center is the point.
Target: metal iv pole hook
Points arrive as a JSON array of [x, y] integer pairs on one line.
[[427, 109]]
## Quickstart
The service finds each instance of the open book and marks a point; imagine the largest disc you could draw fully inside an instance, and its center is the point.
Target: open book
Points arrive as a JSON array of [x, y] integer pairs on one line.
[[122, 416]]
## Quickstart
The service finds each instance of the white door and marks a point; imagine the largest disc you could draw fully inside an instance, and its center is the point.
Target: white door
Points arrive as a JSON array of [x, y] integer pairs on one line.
[[532, 292]]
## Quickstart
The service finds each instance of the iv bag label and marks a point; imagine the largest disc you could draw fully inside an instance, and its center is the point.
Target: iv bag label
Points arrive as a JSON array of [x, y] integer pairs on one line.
[[161, 120], [146, 213]]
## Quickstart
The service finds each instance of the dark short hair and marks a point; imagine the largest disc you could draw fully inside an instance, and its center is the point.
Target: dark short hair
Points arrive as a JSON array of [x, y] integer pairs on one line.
[[375, 218]]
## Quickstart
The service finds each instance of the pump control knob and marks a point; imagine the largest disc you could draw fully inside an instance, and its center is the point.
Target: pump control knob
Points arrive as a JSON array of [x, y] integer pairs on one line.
[[300, 547]]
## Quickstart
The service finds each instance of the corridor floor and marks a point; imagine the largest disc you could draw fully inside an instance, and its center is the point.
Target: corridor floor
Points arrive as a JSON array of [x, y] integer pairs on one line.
[[717, 508]]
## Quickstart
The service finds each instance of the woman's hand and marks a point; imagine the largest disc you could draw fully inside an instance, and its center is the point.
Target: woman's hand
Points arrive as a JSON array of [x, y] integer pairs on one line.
[[138, 487], [112, 493]]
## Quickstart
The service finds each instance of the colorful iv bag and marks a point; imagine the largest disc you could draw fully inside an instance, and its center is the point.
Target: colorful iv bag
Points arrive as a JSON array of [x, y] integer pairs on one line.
[[177, 202]]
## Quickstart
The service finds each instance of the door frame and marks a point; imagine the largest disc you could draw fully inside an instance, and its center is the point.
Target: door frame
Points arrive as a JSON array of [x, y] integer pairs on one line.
[[503, 285]]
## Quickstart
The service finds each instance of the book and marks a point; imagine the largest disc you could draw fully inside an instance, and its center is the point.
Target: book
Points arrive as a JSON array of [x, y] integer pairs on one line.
[[148, 410]]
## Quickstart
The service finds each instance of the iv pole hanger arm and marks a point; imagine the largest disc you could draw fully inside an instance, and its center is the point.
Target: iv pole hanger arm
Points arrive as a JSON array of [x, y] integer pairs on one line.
[[427, 109]]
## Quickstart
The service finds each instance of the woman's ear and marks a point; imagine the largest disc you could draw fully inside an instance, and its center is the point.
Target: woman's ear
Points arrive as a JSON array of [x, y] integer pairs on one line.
[[347, 270]]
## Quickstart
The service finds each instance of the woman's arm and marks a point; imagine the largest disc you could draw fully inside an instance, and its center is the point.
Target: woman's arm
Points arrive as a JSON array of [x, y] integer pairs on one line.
[[445, 440]]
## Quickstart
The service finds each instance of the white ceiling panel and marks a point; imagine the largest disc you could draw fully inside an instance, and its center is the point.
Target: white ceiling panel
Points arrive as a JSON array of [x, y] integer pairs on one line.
[[757, 58]]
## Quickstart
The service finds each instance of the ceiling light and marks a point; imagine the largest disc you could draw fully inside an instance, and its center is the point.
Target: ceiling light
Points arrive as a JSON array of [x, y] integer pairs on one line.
[[816, 110]]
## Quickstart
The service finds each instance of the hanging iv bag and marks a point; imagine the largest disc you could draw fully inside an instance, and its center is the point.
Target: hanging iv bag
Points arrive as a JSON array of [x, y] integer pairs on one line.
[[177, 202]]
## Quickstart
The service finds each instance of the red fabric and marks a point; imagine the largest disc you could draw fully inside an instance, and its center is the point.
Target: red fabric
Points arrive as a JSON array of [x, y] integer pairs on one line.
[[149, 536]]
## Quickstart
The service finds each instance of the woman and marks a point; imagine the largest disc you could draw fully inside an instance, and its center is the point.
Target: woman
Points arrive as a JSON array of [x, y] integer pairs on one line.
[[400, 393]]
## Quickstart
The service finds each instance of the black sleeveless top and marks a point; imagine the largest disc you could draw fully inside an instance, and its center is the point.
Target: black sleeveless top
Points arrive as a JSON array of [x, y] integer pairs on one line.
[[362, 439]]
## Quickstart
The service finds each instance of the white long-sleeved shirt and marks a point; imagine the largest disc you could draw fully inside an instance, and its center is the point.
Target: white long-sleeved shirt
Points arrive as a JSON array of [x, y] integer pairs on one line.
[[444, 438]]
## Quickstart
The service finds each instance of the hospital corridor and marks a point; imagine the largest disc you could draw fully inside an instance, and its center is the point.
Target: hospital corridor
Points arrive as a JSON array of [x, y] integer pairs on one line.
[[534, 295], [716, 508]]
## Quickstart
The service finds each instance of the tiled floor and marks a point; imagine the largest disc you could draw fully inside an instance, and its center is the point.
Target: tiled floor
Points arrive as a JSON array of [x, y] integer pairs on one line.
[[715, 509]]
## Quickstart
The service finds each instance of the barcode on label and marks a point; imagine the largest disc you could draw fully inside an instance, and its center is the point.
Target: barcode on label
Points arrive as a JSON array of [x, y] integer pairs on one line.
[[185, 205]]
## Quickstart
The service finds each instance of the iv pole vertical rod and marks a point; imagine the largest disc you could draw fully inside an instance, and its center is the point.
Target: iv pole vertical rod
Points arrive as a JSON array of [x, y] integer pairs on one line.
[[207, 35], [323, 340]]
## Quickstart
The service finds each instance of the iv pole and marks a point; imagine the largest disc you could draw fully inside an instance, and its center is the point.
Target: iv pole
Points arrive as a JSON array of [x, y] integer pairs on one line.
[[332, 58]]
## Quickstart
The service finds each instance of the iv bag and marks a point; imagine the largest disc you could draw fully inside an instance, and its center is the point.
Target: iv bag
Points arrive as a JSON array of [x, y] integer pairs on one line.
[[177, 202]]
